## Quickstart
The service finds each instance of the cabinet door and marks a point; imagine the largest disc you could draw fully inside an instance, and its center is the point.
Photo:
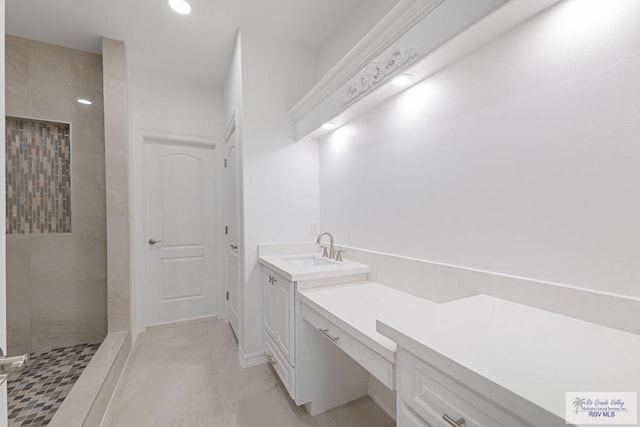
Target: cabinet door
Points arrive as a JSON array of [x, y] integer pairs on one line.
[[268, 287], [284, 316]]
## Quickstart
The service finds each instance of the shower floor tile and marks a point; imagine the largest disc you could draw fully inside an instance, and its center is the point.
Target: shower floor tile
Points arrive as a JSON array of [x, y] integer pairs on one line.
[[35, 393]]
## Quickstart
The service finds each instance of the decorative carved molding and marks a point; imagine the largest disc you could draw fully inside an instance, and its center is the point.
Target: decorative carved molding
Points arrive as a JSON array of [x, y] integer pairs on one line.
[[404, 16], [376, 72]]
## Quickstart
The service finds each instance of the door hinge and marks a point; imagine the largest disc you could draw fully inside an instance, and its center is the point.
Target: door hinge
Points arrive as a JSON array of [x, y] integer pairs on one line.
[[227, 295], [225, 163], [226, 229]]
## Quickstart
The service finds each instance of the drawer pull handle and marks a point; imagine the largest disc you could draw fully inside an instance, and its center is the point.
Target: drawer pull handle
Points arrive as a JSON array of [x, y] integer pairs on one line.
[[272, 359], [453, 423], [326, 333]]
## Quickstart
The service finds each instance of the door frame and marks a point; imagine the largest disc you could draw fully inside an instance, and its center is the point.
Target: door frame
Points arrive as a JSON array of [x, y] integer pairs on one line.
[[138, 243], [234, 126]]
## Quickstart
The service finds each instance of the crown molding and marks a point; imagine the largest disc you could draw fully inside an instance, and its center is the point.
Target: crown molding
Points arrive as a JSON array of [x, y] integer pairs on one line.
[[405, 15]]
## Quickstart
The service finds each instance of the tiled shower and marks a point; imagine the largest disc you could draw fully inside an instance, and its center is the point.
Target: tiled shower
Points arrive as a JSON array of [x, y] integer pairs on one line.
[[56, 201]]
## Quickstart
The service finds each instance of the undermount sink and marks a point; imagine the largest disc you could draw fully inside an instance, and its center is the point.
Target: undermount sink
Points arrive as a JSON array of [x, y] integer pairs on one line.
[[308, 261]]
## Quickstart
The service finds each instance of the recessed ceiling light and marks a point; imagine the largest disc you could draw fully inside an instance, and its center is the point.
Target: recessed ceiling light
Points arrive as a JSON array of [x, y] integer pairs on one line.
[[180, 6], [329, 126], [402, 80], [84, 101]]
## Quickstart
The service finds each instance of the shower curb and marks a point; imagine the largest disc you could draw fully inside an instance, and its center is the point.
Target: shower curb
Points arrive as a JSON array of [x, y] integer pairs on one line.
[[89, 398]]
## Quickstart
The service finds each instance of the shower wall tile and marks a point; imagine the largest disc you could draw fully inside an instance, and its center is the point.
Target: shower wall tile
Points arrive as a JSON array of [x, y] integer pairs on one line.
[[118, 273], [19, 319], [88, 182], [38, 181], [78, 316], [118, 242], [117, 182], [16, 97], [66, 273], [51, 101], [60, 65], [16, 58], [116, 160], [80, 255], [87, 132], [18, 260], [114, 59]]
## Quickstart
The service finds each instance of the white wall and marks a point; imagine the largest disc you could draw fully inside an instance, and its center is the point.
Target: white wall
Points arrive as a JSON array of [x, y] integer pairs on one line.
[[355, 25], [280, 176], [171, 105], [520, 159], [163, 105], [232, 91]]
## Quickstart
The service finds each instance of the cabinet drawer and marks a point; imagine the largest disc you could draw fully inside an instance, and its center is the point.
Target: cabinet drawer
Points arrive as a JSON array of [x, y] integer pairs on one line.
[[377, 365], [431, 394], [407, 418], [285, 371]]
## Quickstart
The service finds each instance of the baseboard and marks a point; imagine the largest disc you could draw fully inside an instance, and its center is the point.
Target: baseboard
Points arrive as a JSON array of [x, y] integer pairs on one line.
[[186, 321], [252, 359], [383, 396]]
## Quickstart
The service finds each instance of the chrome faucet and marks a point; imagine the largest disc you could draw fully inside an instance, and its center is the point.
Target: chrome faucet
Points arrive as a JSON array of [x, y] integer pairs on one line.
[[331, 254]]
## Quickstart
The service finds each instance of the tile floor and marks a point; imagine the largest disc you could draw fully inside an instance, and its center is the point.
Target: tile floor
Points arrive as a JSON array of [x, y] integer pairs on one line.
[[35, 393], [188, 375]]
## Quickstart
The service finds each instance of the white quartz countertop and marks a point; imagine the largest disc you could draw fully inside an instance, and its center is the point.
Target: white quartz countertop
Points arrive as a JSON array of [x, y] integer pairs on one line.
[[296, 272], [534, 354], [356, 307]]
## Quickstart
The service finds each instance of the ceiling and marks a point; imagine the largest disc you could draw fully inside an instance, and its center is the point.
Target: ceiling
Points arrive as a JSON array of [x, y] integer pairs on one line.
[[195, 47]]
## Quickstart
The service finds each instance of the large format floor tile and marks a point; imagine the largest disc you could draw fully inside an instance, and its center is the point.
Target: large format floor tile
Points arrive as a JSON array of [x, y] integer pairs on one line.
[[188, 375]]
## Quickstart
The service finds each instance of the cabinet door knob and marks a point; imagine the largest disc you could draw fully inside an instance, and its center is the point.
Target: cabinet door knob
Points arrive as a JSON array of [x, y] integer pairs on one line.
[[454, 423], [234, 247]]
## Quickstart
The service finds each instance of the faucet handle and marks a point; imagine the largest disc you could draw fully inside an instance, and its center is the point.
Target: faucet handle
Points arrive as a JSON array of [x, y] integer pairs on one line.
[[325, 254], [339, 253]]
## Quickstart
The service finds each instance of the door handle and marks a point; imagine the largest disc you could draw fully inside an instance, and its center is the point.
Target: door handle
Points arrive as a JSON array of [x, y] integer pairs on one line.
[[234, 247], [154, 241], [11, 364]]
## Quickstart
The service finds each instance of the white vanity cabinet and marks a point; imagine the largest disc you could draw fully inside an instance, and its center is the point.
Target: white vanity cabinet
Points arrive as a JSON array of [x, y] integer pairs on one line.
[[429, 397], [278, 311], [314, 371], [278, 294]]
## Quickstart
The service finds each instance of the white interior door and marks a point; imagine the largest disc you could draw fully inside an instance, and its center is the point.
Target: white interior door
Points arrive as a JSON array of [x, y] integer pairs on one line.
[[180, 190], [232, 192]]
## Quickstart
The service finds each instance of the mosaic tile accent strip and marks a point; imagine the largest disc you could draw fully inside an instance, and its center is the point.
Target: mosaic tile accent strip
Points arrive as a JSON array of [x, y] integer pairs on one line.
[[38, 176], [36, 393]]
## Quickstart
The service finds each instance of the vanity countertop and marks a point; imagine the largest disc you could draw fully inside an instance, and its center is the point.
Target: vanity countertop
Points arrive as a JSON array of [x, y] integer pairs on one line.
[[356, 307], [526, 352], [293, 267]]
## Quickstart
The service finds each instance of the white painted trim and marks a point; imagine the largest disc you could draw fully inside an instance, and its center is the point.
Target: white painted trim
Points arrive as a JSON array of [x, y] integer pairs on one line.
[[37, 119], [186, 321], [180, 140], [392, 26], [231, 126], [250, 360], [138, 140], [325, 102]]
